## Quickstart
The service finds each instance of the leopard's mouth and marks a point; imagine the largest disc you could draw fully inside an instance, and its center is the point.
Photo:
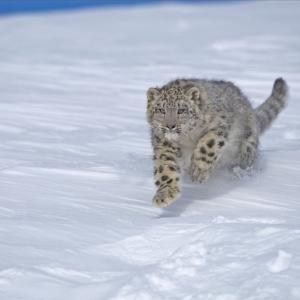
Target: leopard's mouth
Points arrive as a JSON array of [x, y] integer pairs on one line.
[[172, 136]]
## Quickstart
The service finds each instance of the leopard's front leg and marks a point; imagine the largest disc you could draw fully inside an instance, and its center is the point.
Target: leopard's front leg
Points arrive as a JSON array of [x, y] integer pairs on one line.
[[206, 155], [166, 173]]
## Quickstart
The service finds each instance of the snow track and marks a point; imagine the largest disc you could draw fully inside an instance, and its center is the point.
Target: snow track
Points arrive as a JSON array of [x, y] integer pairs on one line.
[[76, 218]]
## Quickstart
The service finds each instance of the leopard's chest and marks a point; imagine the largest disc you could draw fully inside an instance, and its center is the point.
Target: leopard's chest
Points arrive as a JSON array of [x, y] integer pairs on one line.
[[188, 144], [187, 147]]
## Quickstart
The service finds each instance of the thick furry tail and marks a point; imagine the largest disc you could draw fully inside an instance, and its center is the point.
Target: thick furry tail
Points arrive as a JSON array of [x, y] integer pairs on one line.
[[267, 112]]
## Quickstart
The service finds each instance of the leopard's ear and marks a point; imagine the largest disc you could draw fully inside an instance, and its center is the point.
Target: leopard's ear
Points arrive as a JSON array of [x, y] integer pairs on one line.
[[193, 93], [152, 94], [197, 94]]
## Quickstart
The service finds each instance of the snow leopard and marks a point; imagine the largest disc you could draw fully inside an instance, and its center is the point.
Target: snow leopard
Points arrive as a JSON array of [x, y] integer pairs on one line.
[[200, 125]]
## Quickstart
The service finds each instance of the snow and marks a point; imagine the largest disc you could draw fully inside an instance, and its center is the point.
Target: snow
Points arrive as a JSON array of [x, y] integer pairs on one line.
[[76, 218], [281, 262]]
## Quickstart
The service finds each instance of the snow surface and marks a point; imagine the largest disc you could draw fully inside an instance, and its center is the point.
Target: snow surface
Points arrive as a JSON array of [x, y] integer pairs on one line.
[[76, 218]]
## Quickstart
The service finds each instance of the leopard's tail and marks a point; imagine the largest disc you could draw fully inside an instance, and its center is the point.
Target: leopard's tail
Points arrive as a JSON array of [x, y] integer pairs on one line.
[[267, 112]]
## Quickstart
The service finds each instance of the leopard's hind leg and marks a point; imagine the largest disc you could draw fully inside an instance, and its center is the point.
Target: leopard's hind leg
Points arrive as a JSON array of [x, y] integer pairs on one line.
[[247, 150]]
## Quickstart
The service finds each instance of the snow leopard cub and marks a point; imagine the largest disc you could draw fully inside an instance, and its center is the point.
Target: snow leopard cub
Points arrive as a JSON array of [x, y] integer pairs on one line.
[[200, 125]]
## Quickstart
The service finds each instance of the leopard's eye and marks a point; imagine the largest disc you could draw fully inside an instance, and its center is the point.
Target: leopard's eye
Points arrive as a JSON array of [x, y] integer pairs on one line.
[[181, 111], [160, 110]]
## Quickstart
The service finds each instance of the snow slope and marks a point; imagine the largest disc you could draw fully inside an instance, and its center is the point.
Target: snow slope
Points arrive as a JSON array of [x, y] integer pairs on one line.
[[76, 218]]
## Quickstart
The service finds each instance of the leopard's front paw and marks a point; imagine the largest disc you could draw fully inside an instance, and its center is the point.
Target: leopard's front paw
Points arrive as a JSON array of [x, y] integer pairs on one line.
[[198, 174], [165, 196]]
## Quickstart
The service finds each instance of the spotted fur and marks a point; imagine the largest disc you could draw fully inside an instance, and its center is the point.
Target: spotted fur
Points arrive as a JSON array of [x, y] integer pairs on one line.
[[199, 125]]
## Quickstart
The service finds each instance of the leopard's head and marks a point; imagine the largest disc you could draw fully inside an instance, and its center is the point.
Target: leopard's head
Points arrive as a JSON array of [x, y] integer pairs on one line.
[[174, 111]]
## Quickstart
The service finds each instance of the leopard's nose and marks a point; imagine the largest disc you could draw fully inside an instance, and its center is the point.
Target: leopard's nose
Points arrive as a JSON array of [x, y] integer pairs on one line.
[[171, 127]]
